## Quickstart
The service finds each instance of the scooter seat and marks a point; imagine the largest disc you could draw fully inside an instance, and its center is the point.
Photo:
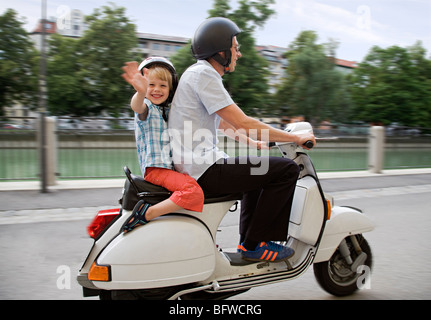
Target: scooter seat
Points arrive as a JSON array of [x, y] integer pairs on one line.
[[141, 189]]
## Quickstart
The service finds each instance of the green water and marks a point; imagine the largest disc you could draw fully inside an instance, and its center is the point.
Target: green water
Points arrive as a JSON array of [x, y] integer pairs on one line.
[[16, 164]]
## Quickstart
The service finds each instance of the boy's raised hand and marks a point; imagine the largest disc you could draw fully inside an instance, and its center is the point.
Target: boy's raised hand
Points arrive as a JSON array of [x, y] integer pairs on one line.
[[133, 76]]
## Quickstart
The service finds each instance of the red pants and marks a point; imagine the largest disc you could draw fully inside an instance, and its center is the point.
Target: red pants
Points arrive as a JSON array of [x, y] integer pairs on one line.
[[186, 192]]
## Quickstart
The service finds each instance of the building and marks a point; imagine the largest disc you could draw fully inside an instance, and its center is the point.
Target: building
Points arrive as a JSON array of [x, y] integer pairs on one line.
[[36, 35], [276, 64], [159, 45], [71, 23], [74, 26], [345, 66]]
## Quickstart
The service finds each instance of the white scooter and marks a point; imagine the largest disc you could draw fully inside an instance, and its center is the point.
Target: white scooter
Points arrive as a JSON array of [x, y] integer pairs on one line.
[[176, 256]]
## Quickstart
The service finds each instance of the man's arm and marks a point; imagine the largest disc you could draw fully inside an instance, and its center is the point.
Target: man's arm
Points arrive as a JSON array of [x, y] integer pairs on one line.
[[239, 136], [233, 115]]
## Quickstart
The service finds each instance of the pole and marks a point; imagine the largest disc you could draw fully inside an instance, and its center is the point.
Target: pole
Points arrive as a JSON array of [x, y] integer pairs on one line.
[[376, 149], [42, 102]]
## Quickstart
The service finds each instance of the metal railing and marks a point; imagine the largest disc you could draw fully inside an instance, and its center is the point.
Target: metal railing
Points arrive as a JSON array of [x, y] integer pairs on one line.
[[100, 147]]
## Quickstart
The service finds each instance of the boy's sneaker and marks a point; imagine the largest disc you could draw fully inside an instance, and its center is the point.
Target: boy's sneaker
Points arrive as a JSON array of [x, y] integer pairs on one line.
[[267, 251]]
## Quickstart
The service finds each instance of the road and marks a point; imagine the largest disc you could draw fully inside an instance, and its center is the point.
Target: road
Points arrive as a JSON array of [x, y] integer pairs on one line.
[[42, 249], [401, 247]]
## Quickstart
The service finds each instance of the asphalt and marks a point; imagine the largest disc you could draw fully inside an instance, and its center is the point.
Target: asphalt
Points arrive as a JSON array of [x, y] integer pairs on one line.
[[72, 194]]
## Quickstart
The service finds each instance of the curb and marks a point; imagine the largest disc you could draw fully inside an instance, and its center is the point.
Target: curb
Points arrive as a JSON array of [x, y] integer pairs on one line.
[[119, 182]]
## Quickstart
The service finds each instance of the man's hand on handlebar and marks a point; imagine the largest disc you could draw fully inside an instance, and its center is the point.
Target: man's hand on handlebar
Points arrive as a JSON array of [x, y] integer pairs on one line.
[[306, 140]]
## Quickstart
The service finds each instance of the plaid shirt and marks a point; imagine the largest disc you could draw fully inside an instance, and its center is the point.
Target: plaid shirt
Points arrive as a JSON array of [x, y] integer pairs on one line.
[[152, 140]]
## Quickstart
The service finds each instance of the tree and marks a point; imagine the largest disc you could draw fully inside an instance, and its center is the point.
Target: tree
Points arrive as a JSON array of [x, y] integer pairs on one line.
[[248, 85], [393, 85], [18, 64], [104, 48], [84, 75], [312, 87], [183, 59], [67, 95]]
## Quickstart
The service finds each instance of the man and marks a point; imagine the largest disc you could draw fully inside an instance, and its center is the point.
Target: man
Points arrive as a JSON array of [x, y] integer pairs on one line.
[[200, 106]]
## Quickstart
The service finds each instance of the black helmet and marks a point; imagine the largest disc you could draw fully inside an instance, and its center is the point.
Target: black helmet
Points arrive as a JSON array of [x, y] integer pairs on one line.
[[212, 36]]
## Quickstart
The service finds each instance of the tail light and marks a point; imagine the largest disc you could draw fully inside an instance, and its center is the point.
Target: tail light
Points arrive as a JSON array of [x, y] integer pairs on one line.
[[101, 221]]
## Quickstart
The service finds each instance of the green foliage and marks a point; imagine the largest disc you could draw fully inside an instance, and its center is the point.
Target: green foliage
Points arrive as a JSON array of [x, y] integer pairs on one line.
[[105, 46], [248, 85], [67, 95], [312, 87], [393, 85], [183, 59], [85, 74], [18, 64]]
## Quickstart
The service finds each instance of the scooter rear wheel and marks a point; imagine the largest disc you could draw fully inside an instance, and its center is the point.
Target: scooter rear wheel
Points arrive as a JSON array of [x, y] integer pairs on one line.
[[336, 275]]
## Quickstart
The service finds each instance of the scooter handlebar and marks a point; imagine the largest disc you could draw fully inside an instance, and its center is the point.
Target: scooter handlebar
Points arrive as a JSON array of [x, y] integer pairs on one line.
[[309, 144]]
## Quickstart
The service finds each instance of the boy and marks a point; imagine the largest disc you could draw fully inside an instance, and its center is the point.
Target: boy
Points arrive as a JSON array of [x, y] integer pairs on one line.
[[155, 82]]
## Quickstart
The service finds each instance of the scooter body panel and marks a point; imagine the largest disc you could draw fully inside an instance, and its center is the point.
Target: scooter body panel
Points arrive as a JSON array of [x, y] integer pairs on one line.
[[344, 222], [307, 212], [169, 251]]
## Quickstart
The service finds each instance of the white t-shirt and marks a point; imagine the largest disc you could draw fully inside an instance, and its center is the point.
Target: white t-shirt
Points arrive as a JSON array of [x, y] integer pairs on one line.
[[193, 121]]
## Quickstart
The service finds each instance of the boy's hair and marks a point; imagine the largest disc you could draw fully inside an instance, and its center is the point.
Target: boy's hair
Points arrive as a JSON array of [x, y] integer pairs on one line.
[[159, 71]]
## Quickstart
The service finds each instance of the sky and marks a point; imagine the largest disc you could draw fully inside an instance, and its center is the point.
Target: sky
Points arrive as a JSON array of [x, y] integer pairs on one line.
[[355, 25]]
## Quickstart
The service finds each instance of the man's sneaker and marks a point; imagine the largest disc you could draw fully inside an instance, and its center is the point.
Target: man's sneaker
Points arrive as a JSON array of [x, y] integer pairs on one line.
[[267, 251]]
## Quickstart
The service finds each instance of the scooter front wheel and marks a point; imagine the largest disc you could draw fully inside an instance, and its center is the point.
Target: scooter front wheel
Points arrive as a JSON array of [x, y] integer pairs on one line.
[[342, 276]]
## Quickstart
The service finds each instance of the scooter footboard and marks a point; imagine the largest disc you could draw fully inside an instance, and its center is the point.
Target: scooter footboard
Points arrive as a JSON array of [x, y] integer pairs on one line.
[[345, 221], [171, 250]]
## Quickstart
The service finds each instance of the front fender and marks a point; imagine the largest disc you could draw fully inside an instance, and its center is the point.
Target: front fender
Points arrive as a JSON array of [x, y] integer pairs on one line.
[[344, 222]]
